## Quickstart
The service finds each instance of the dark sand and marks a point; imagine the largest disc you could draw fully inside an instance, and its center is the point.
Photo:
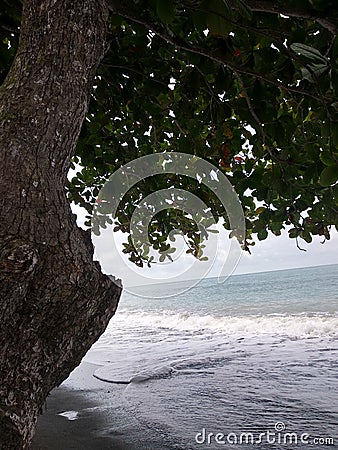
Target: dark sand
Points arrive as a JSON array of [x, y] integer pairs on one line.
[[101, 422]]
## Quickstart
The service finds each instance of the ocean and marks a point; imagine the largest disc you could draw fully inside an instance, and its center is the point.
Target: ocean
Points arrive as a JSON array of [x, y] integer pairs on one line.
[[248, 363]]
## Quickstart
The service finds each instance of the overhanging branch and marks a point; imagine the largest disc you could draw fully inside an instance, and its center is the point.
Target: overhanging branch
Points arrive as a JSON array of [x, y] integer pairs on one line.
[[286, 10], [183, 45]]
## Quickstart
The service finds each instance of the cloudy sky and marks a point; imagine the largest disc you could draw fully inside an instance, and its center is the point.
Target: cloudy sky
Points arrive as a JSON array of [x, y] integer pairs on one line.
[[274, 253], [282, 253]]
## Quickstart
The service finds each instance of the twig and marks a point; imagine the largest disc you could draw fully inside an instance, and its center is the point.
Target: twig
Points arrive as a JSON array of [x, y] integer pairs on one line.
[[133, 69], [300, 248], [285, 10], [202, 52]]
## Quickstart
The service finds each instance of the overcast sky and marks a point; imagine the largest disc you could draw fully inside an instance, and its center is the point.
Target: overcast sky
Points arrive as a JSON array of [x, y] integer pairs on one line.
[[274, 253], [282, 253]]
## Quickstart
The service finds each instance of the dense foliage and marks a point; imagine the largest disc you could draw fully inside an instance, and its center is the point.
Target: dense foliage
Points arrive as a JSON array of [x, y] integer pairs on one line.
[[251, 86]]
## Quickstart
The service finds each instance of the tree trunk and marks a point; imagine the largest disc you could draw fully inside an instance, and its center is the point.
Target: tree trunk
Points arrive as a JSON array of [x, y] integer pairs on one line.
[[54, 300]]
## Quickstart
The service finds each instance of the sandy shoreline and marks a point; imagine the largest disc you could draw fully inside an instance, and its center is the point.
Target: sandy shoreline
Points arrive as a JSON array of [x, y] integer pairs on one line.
[[83, 413]]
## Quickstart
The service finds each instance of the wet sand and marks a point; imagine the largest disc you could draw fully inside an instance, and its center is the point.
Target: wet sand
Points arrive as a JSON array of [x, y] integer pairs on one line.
[[83, 413]]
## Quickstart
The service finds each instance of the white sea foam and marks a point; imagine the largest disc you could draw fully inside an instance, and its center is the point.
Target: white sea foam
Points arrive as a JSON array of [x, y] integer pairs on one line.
[[199, 365], [245, 355], [70, 415], [298, 325]]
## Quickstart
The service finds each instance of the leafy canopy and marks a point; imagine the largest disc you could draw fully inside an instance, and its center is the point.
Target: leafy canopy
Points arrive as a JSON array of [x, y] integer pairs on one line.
[[249, 85]]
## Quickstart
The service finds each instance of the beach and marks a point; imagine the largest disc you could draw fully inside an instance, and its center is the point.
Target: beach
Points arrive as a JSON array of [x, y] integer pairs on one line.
[[255, 355], [60, 428]]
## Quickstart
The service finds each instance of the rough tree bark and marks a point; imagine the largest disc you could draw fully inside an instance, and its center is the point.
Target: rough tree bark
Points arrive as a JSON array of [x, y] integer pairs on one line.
[[54, 301]]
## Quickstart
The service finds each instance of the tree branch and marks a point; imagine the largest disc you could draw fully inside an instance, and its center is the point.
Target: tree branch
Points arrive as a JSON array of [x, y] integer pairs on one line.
[[286, 10], [183, 45], [135, 70]]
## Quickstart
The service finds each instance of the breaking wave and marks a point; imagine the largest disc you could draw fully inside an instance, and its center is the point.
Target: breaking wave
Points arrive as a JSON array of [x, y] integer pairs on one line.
[[295, 326]]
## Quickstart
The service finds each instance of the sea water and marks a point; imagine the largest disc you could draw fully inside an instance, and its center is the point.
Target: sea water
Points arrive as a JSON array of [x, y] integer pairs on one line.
[[248, 363]]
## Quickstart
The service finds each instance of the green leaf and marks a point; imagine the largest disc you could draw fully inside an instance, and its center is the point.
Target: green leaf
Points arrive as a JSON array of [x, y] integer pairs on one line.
[[306, 236], [334, 61], [210, 230], [334, 81], [217, 24], [293, 233], [309, 52], [260, 210], [329, 159], [262, 235], [335, 135], [115, 20], [165, 10], [329, 176], [199, 20], [313, 71], [162, 257], [96, 230]]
